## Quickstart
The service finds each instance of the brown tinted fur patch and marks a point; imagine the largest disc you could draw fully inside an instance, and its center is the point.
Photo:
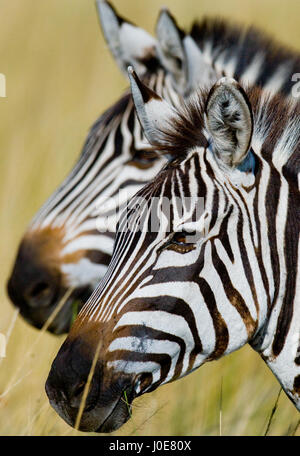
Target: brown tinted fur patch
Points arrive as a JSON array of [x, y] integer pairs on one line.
[[47, 244], [92, 332]]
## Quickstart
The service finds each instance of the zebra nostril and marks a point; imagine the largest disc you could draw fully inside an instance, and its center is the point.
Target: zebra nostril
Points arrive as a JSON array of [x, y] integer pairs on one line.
[[79, 389], [40, 289], [39, 295], [77, 395]]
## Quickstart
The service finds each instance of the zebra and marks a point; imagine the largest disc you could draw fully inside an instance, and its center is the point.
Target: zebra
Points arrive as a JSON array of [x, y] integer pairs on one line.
[[62, 248], [65, 246], [211, 278]]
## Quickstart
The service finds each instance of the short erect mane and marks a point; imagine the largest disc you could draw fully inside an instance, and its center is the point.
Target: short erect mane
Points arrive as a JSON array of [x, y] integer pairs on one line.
[[276, 134], [247, 45]]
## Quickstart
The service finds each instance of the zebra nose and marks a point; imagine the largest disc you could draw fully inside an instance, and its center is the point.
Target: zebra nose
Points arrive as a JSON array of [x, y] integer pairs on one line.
[[32, 287], [34, 281], [36, 286], [69, 385]]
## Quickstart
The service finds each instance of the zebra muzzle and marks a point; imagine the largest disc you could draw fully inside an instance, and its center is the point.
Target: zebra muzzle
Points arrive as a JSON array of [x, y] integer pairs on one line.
[[91, 398]]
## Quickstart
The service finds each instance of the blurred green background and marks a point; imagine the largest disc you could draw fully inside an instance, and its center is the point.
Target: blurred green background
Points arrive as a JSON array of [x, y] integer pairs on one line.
[[60, 77]]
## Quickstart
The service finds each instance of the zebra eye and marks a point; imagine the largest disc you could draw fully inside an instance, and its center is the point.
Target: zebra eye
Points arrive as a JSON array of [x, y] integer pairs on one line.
[[181, 242], [142, 158], [178, 63], [180, 238]]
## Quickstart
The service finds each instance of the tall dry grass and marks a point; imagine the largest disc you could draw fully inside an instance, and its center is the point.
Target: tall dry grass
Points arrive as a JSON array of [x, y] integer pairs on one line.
[[60, 77]]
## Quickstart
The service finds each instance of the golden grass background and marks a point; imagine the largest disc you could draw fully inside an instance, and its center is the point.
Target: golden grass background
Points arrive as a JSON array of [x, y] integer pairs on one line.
[[60, 77]]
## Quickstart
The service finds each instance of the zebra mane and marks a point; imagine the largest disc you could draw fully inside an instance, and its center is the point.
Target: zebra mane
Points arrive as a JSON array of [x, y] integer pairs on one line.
[[247, 44], [276, 134]]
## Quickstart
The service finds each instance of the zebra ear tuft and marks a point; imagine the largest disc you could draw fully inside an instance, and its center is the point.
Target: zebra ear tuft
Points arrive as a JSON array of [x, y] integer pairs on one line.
[[170, 47], [153, 112], [129, 44], [229, 121]]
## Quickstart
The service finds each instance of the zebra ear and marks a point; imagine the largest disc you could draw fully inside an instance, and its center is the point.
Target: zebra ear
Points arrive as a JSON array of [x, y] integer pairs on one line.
[[199, 71], [170, 47], [181, 56], [154, 113], [130, 45], [229, 121]]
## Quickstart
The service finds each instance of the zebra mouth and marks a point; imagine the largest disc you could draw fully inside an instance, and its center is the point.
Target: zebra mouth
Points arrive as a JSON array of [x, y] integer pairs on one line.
[[63, 321], [79, 297], [120, 413]]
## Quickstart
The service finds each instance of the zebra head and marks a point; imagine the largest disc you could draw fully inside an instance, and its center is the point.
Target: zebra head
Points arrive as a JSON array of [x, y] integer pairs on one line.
[[68, 245], [211, 277]]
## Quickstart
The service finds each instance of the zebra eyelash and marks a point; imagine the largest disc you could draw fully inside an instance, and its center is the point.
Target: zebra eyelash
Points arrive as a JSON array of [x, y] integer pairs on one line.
[[178, 243], [145, 156]]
